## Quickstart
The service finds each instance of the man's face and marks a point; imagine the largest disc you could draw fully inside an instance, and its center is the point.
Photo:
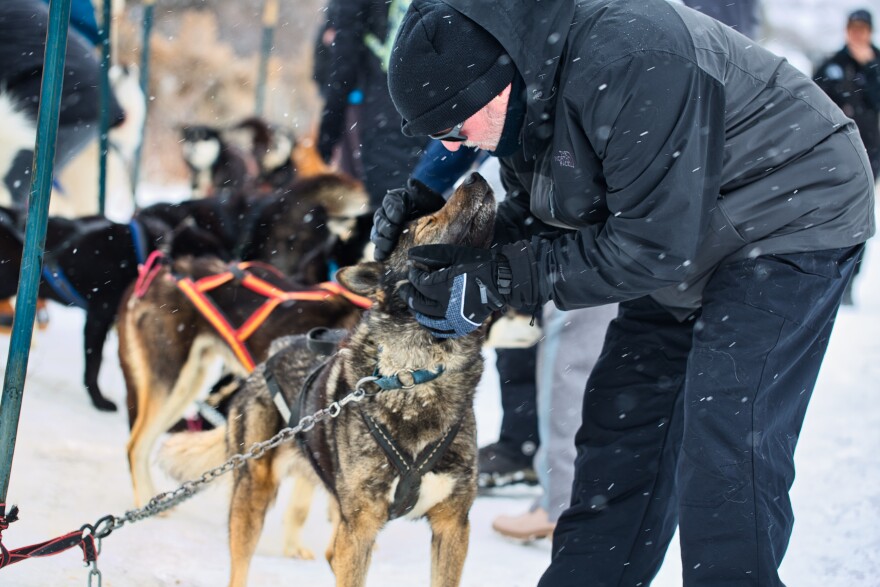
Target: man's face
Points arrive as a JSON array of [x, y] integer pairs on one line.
[[483, 129], [858, 33]]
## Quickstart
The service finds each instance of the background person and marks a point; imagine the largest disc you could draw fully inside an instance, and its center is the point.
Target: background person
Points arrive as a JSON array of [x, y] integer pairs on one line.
[[852, 79]]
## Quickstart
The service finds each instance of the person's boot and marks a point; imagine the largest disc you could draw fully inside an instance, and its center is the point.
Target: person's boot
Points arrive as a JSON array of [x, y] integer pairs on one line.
[[529, 526], [499, 466]]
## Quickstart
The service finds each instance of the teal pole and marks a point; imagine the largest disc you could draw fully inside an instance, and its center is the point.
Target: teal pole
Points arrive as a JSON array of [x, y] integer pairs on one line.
[[104, 118], [149, 6], [270, 20], [34, 238]]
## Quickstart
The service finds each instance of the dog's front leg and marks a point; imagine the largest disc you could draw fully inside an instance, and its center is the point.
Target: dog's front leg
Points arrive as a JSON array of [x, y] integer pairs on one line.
[[449, 544], [353, 544]]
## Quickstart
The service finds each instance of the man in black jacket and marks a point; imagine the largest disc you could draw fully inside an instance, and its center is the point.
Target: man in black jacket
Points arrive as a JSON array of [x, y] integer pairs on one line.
[[655, 158], [852, 79]]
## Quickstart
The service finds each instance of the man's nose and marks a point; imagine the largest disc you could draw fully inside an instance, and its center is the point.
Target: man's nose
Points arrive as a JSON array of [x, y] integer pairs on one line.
[[451, 145]]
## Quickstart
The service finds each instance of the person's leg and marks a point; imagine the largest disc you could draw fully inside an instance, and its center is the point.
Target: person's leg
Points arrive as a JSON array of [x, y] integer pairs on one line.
[[567, 353], [622, 514], [571, 346], [763, 332], [509, 459]]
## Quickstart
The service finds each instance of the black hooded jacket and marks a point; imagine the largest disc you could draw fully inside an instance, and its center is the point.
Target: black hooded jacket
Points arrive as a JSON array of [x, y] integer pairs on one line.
[[659, 143], [856, 89]]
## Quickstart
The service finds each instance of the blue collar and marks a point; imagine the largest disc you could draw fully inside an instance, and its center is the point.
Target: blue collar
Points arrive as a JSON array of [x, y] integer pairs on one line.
[[389, 382]]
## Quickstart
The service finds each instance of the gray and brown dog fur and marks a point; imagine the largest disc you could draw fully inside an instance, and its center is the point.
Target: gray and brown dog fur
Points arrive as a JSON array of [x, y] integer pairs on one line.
[[166, 345], [352, 466]]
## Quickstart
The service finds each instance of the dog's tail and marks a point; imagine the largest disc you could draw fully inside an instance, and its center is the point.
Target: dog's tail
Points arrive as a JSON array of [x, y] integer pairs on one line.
[[186, 455]]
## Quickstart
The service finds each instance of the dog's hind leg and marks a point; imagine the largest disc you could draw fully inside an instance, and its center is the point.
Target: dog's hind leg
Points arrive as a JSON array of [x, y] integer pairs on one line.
[[158, 409], [253, 488], [295, 517], [98, 323], [449, 543], [353, 543]]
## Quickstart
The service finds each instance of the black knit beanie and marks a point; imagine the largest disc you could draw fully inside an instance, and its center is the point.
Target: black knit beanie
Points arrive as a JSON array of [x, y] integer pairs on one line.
[[444, 68]]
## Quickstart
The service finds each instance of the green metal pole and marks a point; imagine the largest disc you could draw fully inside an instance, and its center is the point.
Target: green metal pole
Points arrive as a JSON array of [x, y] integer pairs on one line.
[[104, 118], [270, 20], [149, 6], [35, 236]]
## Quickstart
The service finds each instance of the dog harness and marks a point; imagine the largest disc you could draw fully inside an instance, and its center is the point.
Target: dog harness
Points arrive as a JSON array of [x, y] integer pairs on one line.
[[410, 470], [236, 338]]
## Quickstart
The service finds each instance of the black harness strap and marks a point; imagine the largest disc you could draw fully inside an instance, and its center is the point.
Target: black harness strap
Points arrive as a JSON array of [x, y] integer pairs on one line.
[[411, 471], [293, 416]]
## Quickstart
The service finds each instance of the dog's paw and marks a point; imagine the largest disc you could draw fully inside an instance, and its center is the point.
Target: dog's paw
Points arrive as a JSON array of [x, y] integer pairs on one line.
[[103, 404], [298, 551]]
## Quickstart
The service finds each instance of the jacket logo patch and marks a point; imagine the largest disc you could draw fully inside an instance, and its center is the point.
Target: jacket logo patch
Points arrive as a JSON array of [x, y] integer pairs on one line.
[[565, 159]]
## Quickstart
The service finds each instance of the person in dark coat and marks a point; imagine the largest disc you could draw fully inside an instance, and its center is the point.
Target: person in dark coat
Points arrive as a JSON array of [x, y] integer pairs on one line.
[[357, 59], [656, 158], [23, 28], [851, 77]]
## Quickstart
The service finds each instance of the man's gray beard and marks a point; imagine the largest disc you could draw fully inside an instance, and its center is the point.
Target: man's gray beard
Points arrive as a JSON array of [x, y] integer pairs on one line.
[[496, 127]]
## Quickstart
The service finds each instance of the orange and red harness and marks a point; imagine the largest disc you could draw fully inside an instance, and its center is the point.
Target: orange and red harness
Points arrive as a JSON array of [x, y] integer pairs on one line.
[[236, 338]]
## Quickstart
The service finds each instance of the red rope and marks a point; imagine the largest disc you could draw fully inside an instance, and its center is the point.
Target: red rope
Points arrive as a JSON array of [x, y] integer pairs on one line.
[[47, 548]]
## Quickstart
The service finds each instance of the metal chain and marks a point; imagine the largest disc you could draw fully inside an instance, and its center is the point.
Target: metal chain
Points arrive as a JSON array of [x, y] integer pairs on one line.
[[168, 499]]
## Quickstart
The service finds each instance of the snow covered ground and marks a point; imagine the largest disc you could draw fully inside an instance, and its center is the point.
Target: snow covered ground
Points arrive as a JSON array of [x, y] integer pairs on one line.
[[70, 468]]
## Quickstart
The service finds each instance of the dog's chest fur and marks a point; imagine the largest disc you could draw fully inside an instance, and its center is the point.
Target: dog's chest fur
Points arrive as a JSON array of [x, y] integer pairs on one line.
[[353, 465]]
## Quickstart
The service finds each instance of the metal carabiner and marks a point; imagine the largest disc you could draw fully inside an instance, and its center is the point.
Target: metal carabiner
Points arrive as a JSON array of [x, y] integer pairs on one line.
[[359, 386]]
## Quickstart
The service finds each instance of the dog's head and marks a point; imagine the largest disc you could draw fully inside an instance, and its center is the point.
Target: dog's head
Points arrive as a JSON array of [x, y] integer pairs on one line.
[[467, 219], [201, 145]]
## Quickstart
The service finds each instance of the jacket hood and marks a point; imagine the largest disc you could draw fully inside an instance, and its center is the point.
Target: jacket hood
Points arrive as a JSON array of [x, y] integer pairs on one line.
[[534, 34]]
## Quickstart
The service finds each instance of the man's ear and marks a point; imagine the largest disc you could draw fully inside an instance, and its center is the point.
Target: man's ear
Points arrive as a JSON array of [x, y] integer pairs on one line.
[[362, 279]]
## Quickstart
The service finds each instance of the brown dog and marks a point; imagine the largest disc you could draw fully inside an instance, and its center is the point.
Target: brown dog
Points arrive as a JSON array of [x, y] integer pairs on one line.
[[166, 342], [407, 449]]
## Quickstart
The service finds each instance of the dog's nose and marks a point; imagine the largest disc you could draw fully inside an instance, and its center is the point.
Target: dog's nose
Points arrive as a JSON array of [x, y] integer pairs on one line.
[[472, 178]]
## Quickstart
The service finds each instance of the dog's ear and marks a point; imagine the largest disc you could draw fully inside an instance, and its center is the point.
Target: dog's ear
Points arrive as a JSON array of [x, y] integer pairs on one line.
[[362, 279]]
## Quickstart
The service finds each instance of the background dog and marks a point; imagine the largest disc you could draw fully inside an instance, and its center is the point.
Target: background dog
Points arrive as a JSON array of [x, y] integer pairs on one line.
[[166, 345], [435, 415]]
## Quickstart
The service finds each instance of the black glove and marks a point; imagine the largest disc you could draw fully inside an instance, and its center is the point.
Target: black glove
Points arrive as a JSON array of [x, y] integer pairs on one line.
[[399, 207], [461, 287]]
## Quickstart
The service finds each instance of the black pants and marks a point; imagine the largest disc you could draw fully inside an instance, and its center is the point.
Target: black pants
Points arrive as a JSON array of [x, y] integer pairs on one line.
[[695, 423], [519, 402]]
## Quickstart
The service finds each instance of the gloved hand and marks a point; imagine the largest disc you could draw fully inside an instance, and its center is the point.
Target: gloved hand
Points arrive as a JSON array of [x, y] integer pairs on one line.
[[459, 289], [399, 207]]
